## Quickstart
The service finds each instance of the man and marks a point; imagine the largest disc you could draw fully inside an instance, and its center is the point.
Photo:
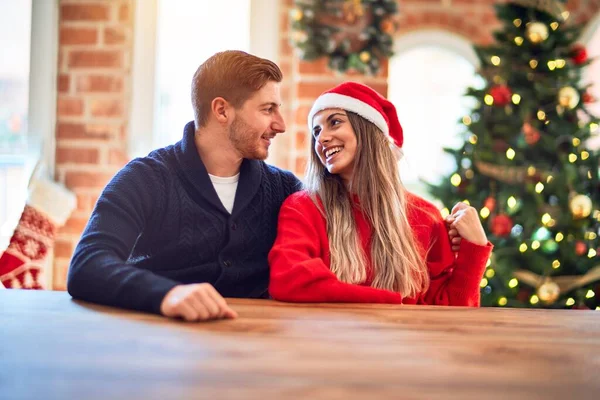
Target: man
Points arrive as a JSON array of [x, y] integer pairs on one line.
[[202, 210]]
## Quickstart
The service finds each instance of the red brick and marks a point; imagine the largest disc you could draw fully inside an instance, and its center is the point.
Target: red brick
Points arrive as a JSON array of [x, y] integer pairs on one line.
[[76, 155], [114, 35], [65, 130], [106, 108], [63, 83], [80, 179], [63, 248], [302, 115], [300, 165], [74, 225], [124, 12], [84, 12], [117, 157], [302, 141], [315, 67], [85, 36], [69, 106], [285, 47], [99, 83], [95, 58], [312, 90]]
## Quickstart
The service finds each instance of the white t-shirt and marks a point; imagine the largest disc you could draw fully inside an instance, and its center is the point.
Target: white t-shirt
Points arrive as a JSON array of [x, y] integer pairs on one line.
[[226, 188]]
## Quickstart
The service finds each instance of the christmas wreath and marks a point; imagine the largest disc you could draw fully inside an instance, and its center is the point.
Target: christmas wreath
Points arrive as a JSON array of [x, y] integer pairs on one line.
[[353, 34]]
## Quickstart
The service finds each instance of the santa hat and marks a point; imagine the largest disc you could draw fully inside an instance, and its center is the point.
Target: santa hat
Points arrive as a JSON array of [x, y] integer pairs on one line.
[[364, 101]]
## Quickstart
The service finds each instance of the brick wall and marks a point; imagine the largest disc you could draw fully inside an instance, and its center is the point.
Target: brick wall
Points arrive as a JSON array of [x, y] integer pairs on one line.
[[95, 48], [95, 78]]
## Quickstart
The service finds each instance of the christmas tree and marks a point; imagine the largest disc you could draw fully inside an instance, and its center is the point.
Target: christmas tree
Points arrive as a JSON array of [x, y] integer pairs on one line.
[[525, 164]]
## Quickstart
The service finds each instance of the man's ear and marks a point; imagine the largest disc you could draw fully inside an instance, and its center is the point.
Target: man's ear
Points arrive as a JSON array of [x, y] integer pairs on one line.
[[221, 109]]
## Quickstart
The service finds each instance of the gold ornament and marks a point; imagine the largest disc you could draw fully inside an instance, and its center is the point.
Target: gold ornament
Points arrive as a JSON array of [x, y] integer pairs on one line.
[[555, 286], [536, 32], [296, 14], [365, 56], [581, 206], [568, 97], [353, 10], [549, 292]]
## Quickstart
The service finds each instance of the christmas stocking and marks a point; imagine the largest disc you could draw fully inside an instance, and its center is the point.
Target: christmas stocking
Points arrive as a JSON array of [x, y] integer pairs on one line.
[[48, 207]]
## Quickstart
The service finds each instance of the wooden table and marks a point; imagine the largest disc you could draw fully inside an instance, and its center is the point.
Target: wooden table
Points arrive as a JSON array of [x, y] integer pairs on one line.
[[52, 347]]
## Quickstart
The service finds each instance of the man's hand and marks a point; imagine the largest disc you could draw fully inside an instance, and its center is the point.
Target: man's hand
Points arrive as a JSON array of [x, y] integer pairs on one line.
[[464, 223], [196, 302]]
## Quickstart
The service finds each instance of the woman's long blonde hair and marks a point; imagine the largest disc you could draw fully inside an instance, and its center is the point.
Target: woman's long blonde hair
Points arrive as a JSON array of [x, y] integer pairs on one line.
[[397, 260]]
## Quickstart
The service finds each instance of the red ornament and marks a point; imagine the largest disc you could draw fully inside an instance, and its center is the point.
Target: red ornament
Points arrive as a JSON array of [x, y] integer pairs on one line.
[[490, 203], [501, 225], [588, 98], [501, 95], [579, 54], [580, 248], [531, 134]]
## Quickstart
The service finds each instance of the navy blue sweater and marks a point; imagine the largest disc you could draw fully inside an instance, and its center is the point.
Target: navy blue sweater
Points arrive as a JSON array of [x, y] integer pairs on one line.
[[159, 223]]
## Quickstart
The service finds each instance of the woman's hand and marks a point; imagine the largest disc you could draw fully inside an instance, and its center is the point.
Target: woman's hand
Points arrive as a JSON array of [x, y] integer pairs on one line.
[[464, 223]]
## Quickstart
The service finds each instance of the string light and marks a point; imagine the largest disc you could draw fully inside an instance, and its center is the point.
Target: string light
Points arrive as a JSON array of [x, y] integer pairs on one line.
[[541, 115], [495, 60], [565, 14], [531, 170], [590, 236], [466, 120], [554, 25], [559, 237], [467, 202], [518, 40], [555, 264], [517, 22], [510, 153], [551, 65], [591, 253], [585, 155], [512, 202], [455, 180], [570, 301], [549, 178], [534, 299], [576, 142], [488, 99], [523, 247], [539, 188], [513, 283], [445, 212], [516, 99], [483, 283], [593, 127], [469, 174], [490, 273], [572, 158], [484, 212], [546, 218], [489, 262], [589, 174], [533, 64], [502, 301], [535, 245], [560, 63], [473, 139], [590, 293]]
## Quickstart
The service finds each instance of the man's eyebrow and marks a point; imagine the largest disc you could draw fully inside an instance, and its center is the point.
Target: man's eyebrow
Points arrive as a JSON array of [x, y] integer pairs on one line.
[[270, 103]]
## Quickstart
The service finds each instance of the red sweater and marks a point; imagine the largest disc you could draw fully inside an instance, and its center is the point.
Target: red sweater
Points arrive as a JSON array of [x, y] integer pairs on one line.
[[299, 259]]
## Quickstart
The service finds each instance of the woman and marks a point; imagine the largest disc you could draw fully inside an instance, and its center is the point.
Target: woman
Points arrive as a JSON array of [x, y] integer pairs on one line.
[[355, 234]]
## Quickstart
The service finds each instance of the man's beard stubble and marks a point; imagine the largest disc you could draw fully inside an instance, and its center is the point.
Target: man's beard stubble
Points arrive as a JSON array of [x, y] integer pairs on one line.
[[246, 140]]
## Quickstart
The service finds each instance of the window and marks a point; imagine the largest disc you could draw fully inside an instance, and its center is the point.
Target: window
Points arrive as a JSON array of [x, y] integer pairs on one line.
[[172, 38], [28, 35], [427, 81], [591, 40]]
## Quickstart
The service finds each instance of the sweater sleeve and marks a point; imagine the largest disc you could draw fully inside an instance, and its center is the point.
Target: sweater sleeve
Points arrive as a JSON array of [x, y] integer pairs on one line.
[[454, 279], [298, 272], [98, 272]]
